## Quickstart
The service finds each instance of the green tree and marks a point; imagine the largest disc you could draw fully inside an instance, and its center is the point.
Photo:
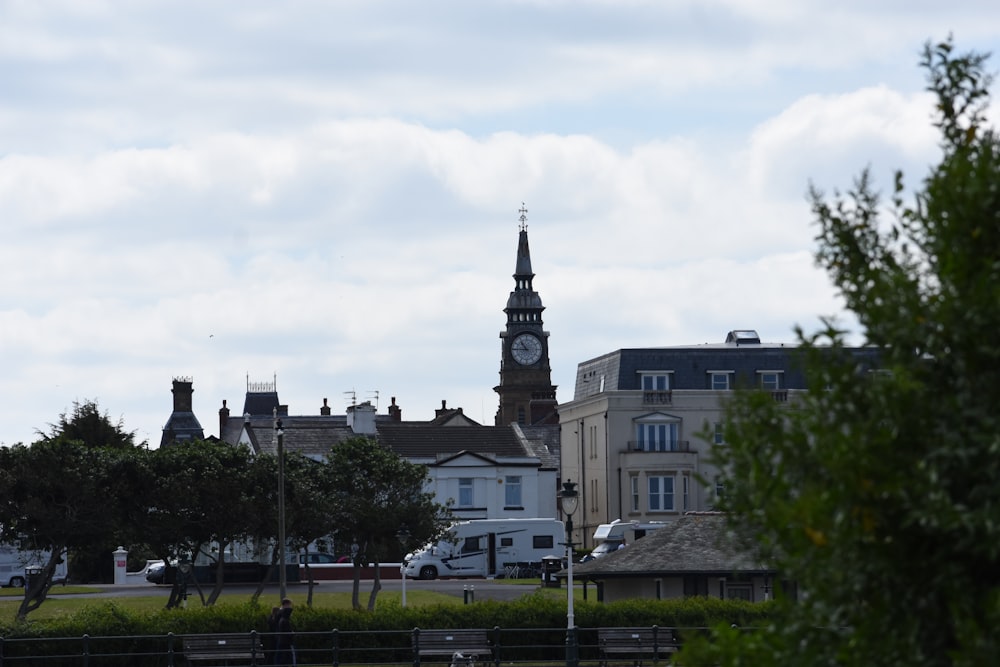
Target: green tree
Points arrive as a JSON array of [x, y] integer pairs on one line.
[[377, 493], [57, 498], [310, 507], [878, 493], [200, 495], [87, 425]]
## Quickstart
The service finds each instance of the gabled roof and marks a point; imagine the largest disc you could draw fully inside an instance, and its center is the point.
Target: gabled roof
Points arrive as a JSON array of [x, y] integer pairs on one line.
[[311, 436], [425, 441], [691, 544], [543, 442], [454, 417]]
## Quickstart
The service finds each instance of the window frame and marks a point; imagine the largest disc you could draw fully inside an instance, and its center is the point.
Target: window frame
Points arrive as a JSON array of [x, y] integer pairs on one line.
[[662, 495], [715, 376], [513, 485], [655, 377], [466, 485], [764, 377]]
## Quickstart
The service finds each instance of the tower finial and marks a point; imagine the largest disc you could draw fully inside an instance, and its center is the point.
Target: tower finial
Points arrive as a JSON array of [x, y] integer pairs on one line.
[[524, 217]]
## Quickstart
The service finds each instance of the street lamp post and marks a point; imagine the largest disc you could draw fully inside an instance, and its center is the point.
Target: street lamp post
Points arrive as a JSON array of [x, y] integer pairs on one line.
[[282, 573], [403, 535], [568, 501]]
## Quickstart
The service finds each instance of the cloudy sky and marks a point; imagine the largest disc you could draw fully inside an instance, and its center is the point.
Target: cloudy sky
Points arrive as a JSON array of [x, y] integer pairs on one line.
[[327, 192]]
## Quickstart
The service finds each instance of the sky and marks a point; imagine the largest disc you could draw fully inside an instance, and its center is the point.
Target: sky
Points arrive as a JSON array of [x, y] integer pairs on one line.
[[325, 194]]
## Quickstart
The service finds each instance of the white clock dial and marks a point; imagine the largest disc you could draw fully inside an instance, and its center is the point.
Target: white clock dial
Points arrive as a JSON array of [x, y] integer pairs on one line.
[[526, 349]]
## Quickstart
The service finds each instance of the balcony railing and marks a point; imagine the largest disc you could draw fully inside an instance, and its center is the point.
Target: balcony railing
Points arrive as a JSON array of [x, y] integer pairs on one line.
[[654, 447], [661, 397]]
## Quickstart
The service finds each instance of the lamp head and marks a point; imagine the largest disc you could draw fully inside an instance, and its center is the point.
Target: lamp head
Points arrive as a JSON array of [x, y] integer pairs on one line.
[[569, 499]]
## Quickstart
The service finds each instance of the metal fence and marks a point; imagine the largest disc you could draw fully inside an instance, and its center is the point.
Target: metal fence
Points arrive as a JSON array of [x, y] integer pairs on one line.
[[507, 646]]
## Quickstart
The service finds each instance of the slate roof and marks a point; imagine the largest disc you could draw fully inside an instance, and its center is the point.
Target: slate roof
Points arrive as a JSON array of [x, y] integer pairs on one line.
[[181, 426], [543, 442], [691, 544], [311, 436], [449, 434], [420, 440], [690, 366]]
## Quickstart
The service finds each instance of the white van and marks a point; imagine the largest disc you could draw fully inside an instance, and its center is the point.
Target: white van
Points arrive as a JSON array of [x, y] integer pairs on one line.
[[612, 536], [13, 563], [487, 548]]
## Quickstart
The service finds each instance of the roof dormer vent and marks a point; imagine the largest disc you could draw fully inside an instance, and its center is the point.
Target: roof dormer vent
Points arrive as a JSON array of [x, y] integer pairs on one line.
[[743, 337]]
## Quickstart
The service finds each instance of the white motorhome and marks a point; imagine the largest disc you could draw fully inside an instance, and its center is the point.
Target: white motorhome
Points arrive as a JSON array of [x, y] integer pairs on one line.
[[487, 548], [14, 561], [612, 536]]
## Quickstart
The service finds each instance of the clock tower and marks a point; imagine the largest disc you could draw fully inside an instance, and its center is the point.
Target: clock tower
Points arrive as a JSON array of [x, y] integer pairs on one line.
[[527, 395]]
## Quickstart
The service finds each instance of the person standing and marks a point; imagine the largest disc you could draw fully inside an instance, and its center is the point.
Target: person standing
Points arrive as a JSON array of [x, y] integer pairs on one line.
[[284, 646], [271, 637]]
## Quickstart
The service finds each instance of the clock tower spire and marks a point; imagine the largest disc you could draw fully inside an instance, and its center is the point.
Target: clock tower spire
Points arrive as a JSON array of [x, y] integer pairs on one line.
[[527, 395]]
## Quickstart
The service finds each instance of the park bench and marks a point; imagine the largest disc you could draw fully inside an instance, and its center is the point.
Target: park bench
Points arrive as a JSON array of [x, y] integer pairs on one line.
[[635, 643], [469, 644], [224, 649]]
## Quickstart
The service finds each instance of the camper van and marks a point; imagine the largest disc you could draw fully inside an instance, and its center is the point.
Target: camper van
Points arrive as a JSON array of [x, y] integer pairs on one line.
[[13, 563], [487, 548], [612, 536]]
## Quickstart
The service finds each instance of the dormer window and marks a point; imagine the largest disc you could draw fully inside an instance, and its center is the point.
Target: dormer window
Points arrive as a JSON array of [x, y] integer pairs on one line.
[[770, 380], [720, 380], [654, 380]]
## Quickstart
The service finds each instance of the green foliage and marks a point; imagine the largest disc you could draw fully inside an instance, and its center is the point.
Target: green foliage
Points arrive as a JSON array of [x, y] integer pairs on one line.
[[376, 493], [532, 628], [877, 493], [87, 425]]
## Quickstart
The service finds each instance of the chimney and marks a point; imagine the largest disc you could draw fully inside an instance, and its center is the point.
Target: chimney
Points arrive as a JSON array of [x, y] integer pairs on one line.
[[443, 410], [282, 410], [395, 412], [182, 395], [223, 418], [325, 410], [361, 418]]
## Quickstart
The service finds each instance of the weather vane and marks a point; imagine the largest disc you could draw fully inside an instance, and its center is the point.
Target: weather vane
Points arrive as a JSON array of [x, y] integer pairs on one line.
[[524, 217]]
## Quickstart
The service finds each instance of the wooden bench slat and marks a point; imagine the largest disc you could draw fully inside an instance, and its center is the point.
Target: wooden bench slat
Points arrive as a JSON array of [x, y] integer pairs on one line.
[[222, 647], [635, 641], [447, 642]]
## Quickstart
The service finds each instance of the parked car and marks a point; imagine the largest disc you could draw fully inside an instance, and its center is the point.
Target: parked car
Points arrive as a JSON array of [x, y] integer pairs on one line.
[[155, 573], [316, 558]]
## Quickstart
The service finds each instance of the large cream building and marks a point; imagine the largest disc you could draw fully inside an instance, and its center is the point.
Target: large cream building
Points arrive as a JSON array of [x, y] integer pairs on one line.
[[638, 434]]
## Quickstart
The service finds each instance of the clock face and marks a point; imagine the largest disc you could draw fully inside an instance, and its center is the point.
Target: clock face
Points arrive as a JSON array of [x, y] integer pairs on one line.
[[526, 349]]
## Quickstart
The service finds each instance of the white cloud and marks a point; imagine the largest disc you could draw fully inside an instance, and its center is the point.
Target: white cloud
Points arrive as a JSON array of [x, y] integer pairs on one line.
[[330, 193]]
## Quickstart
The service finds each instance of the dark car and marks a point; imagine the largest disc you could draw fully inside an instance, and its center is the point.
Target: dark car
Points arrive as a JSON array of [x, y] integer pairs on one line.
[[155, 573], [317, 558]]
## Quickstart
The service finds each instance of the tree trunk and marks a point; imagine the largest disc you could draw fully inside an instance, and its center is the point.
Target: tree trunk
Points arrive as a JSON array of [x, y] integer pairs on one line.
[[356, 589], [36, 592], [376, 586]]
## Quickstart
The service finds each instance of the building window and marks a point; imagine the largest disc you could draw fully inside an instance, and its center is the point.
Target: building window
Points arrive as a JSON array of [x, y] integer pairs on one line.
[[465, 496], [661, 493], [770, 380], [720, 380], [718, 435], [720, 492], [686, 492], [739, 592], [657, 436], [512, 491], [655, 381], [520, 415], [633, 486]]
